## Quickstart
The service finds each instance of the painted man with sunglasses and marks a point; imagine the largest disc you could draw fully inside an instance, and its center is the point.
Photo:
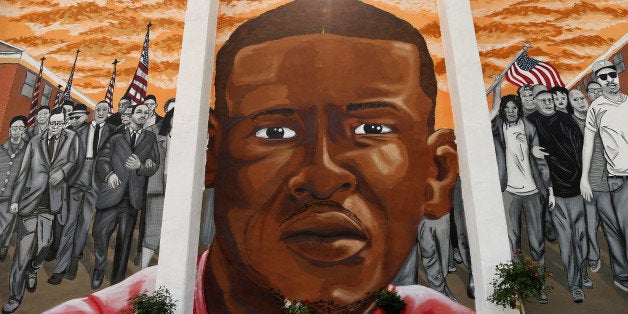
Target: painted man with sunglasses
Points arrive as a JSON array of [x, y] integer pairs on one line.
[[607, 115]]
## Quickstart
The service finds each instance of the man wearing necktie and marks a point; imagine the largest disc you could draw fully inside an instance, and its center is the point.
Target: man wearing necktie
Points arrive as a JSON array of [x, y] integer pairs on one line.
[[40, 194], [124, 163], [83, 193]]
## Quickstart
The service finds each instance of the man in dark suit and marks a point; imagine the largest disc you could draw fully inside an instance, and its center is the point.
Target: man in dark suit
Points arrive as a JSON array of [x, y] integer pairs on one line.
[[123, 165], [91, 137], [39, 194]]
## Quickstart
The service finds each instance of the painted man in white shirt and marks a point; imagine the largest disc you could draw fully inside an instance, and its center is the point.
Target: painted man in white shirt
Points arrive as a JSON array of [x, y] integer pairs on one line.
[[607, 116]]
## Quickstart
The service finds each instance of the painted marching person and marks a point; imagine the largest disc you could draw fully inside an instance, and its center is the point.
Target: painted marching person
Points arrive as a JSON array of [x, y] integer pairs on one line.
[[607, 117], [40, 193], [11, 154], [124, 163]]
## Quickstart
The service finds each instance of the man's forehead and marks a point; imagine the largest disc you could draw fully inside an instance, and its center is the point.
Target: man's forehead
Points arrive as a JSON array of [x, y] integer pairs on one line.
[[17, 123], [262, 61]]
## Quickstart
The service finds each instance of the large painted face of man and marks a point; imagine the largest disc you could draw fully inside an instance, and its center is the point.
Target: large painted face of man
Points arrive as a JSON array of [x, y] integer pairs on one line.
[[324, 164], [609, 80], [545, 103], [56, 124], [101, 112], [577, 100]]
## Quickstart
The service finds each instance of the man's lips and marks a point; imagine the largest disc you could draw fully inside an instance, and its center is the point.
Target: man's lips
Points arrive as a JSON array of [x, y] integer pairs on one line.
[[325, 233]]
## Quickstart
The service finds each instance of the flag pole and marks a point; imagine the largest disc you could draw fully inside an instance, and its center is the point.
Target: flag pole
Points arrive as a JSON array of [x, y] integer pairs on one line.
[[526, 46]]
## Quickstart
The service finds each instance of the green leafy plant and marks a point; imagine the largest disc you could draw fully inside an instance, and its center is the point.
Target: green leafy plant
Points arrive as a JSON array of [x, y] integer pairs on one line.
[[295, 307], [518, 281], [159, 302], [389, 301]]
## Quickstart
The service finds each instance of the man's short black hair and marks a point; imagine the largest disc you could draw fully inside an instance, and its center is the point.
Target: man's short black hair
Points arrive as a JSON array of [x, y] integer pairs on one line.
[[59, 110], [150, 97], [350, 18], [125, 98], [515, 100], [19, 118], [135, 107]]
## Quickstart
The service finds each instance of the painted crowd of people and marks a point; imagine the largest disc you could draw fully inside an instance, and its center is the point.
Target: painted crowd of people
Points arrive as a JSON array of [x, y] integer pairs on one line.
[[562, 160], [64, 176]]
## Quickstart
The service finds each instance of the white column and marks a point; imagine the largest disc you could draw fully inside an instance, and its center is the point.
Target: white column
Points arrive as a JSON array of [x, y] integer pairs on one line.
[[484, 209], [186, 165]]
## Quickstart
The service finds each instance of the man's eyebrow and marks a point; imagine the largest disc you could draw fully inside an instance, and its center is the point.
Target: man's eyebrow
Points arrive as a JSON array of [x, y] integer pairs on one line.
[[280, 111], [371, 105]]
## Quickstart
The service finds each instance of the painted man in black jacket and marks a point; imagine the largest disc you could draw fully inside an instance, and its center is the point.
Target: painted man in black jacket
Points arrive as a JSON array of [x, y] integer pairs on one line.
[[560, 135]]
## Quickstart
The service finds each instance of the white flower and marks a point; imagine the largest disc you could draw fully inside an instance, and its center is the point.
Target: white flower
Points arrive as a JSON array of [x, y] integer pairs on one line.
[[286, 304]]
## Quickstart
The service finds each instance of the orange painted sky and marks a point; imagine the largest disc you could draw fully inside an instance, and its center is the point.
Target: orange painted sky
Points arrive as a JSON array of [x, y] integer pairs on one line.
[[570, 35]]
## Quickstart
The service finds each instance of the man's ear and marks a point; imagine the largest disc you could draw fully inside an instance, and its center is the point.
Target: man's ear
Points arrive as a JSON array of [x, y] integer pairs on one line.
[[213, 146], [440, 182]]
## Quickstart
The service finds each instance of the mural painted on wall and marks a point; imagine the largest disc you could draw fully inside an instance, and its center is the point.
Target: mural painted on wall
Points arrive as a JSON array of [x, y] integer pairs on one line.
[[557, 101], [349, 201], [83, 181]]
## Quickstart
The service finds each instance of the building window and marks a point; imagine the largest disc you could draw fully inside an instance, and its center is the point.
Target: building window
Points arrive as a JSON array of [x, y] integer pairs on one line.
[[618, 60], [593, 76], [45, 97], [585, 81], [579, 87], [29, 82]]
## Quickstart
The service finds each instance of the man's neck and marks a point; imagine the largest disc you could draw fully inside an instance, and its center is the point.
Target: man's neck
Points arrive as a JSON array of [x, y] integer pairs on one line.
[[135, 127], [562, 109], [16, 141], [43, 126], [614, 97]]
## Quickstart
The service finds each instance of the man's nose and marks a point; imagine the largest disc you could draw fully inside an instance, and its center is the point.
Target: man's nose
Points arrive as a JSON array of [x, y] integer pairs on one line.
[[322, 177]]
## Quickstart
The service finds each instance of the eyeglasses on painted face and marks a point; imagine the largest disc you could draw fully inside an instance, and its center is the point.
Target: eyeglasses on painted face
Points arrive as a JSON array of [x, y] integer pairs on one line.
[[74, 118], [18, 128], [57, 123], [604, 76]]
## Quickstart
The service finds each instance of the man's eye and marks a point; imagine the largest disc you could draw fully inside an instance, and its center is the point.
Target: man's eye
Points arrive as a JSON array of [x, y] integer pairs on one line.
[[275, 133], [372, 129]]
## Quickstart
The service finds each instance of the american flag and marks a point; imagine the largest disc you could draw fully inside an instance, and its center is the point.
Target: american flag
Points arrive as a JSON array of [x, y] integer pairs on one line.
[[58, 97], [68, 86], [112, 83], [527, 71], [35, 96], [137, 89]]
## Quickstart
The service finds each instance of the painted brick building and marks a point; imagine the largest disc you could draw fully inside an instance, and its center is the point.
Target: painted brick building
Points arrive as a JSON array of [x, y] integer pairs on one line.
[[18, 72]]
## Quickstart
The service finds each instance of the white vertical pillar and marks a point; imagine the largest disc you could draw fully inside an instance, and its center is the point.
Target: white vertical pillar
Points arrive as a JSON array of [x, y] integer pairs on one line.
[[186, 165], [484, 209]]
